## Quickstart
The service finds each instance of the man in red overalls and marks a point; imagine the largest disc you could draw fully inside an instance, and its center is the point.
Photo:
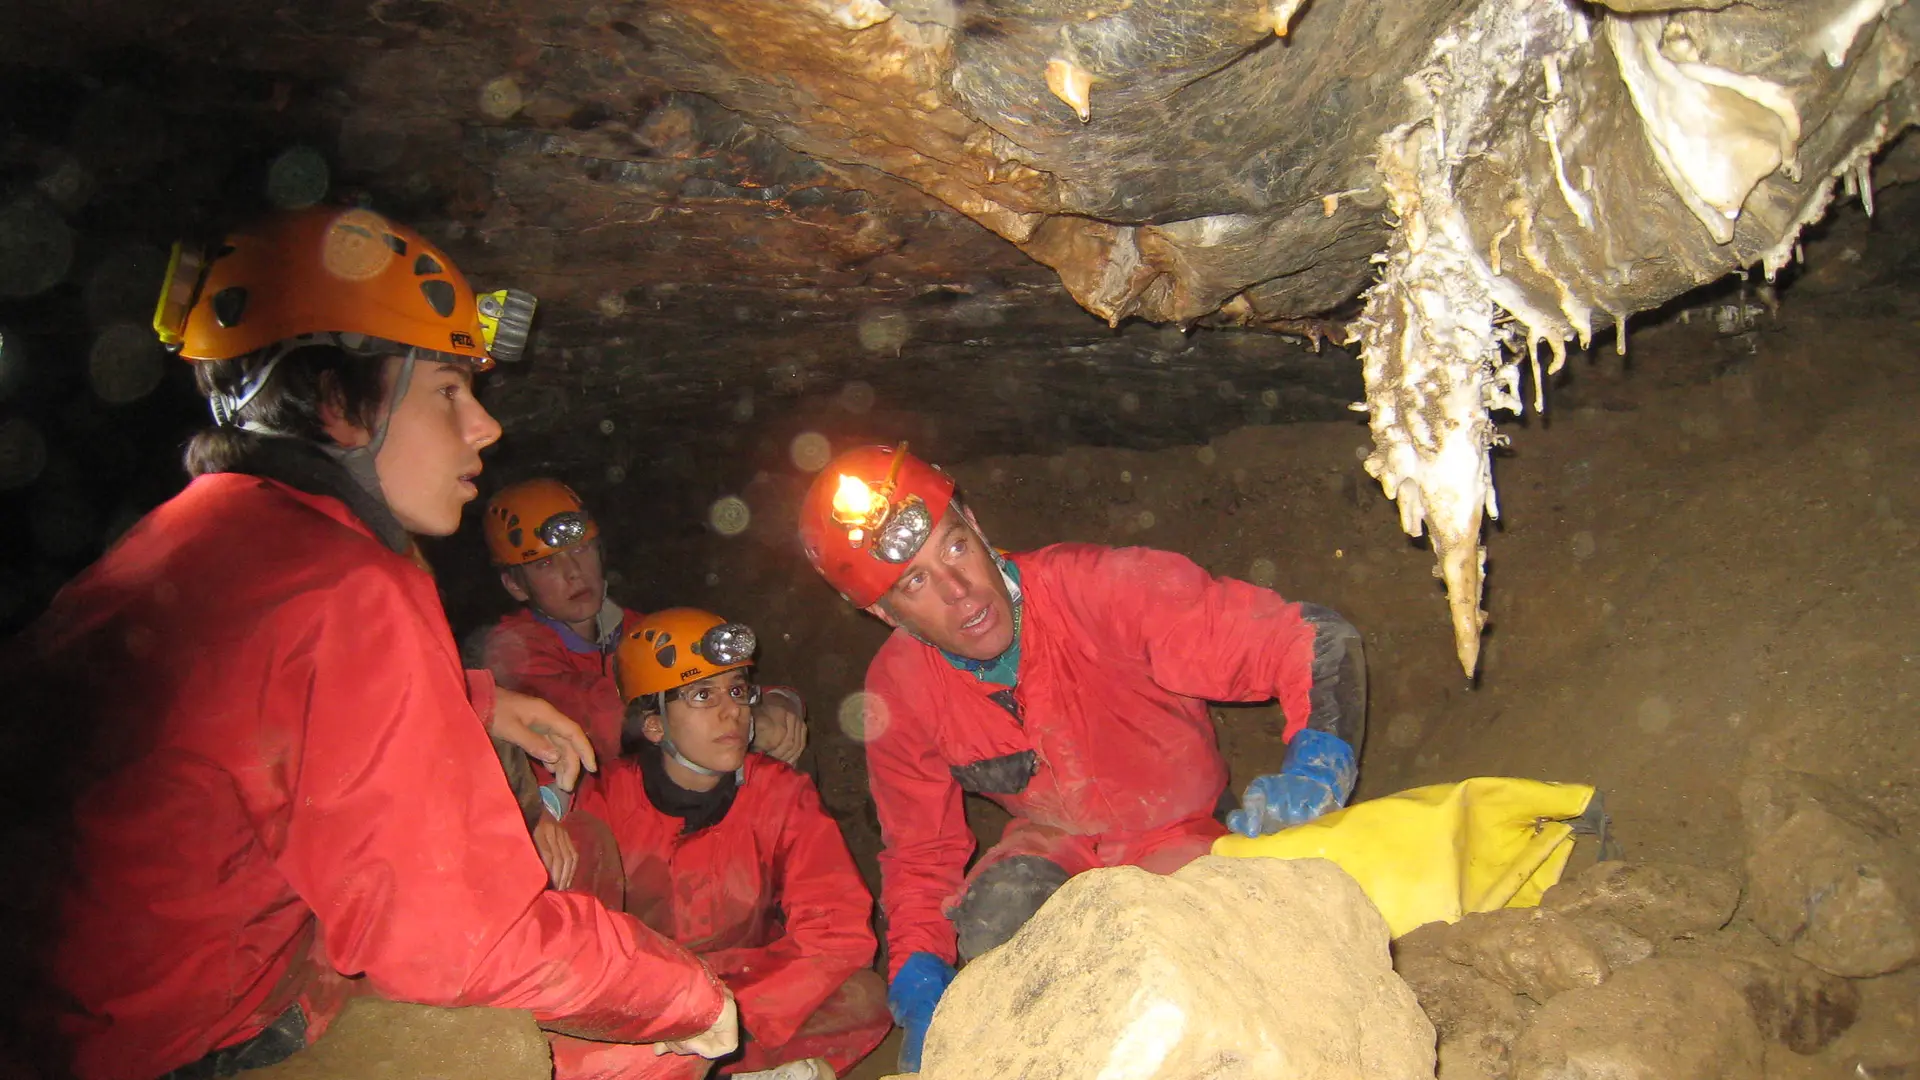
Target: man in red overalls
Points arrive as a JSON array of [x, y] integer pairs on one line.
[[1069, 685]]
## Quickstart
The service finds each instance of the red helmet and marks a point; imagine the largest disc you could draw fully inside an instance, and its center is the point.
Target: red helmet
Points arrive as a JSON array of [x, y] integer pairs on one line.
[[866, 516]]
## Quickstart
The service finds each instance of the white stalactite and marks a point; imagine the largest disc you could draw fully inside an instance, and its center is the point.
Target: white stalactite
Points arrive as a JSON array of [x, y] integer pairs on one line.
[[1442, 330]]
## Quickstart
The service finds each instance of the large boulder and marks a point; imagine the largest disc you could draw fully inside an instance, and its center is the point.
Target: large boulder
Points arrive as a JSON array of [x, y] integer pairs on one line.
[[1829, 876], [1267, 968], [375, 1039]]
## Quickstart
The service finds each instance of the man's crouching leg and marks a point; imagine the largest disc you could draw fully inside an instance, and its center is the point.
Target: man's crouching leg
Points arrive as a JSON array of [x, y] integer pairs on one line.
[[841, 1032], [1000, 900], [1339, 696]]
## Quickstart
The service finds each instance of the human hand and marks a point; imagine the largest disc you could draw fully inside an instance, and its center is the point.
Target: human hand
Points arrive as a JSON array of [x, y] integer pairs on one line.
[[1316, 777], [544, 733], [779, 726], [556, 849], [912, 996], [721, 1039]]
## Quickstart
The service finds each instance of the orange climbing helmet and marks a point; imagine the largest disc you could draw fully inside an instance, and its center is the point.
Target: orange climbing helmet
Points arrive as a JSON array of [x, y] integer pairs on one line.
[[669, 649], [332, 270], [867, 515], [528, 521]]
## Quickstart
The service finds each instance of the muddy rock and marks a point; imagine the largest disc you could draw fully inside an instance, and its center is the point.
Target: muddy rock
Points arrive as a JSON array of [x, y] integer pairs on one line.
[[1658, 901], [1828, 876], [1658, 1020], [1528, 951], [1475, 1018], [1792, 1002], [1618, 945], [1229, 968], [386, 1040]]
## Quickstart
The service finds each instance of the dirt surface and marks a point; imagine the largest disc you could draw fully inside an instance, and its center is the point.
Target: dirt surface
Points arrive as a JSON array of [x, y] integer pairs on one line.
[[1706, 560]]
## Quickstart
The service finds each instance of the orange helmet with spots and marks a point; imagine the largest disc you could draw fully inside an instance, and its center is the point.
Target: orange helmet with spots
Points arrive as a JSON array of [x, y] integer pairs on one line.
[[672, 648], [866, 516], [528, 521], [332, 270]]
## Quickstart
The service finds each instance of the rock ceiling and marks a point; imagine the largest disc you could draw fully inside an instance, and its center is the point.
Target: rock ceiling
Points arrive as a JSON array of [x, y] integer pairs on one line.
[[1005, 219]]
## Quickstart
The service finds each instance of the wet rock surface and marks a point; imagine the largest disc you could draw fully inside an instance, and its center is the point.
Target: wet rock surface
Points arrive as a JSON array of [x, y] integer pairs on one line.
[[1228, 968], [1829, 876], [1793, 1002]]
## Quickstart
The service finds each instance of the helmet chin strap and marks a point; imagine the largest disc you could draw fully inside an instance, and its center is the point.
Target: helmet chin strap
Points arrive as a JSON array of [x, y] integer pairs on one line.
[[672, 751], [358, 461]]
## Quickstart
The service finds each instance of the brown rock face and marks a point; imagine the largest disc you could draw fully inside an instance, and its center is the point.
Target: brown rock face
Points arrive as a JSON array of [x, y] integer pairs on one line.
[[1659, 901], [1659, 1020], [1228, 968], [1828, 876], [1525, 950], [1475, 1018]]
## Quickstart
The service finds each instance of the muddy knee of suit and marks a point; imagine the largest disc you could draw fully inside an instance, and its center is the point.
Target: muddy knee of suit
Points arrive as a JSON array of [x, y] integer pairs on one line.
[[1339, 695], [1002, 899]]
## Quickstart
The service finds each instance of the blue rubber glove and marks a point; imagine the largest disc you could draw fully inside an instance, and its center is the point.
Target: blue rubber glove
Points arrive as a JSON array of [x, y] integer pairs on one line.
[[911, 998], [1316, 777]]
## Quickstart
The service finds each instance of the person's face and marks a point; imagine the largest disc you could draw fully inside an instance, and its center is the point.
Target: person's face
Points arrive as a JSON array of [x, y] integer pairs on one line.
[[951, 593], [432, 451], [714, 737], [568, 585]]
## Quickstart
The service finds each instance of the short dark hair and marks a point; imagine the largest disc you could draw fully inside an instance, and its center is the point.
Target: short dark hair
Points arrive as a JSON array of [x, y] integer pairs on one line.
[[304, 380]]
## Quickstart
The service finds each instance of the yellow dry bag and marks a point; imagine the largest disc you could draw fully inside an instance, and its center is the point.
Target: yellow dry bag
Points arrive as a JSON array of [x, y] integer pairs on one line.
[[1437, 853]]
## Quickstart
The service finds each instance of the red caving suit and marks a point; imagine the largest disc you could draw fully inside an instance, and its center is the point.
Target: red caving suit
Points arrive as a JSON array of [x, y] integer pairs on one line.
[[770, 899], [1121, 649], [534, 656], [273, 741]]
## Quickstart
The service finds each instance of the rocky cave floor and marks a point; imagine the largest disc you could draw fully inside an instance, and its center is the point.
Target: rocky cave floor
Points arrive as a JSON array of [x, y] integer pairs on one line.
[[1705, 572]]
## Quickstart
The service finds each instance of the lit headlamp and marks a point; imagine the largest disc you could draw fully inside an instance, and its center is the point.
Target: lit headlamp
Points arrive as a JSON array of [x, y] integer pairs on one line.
[[564, 529], [897, 530], [728, 643]]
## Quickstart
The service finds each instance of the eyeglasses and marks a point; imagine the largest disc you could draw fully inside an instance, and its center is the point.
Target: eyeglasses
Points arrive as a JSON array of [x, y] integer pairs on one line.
[[710, 697]]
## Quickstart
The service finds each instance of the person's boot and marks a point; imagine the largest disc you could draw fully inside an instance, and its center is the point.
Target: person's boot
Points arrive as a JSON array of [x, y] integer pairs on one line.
[[809, 1069]]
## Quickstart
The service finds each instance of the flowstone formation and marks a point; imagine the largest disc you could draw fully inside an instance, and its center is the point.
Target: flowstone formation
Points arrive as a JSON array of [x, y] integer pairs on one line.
[[1568, 169], [1546, 168], [715, 198]]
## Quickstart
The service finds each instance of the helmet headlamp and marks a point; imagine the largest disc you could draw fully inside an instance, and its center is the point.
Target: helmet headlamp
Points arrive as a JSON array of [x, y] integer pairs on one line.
[[564, 529], [728, 643], [892, 531]]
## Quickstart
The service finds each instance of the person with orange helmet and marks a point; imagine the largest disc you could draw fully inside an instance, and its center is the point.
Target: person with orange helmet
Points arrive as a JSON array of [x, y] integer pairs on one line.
[[729, 853], [560, 645], [1068, 684], [271, 780]]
